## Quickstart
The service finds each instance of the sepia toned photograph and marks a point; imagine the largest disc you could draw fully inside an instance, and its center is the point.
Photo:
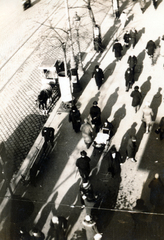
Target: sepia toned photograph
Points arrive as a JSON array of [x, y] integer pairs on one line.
[[81, 120]]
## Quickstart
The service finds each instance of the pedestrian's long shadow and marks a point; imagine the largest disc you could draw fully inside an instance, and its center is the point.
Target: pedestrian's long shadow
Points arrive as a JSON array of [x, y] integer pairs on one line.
[[157, 51], [139, 67], [145, 88], [109, 69], [156, 102], [130, 132], [110, 103], [118, 116], [139, 34]]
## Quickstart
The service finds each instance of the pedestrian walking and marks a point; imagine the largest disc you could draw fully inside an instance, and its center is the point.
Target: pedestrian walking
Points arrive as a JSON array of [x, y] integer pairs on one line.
[[114, 162], [36, 234], [147, 116], [75, 118], [90, 227], [150, 48], [48, 134], [23, 234], [98, 75], [132, 61], [136, 98], [123, 19], [83, 165], [58, 227], [87, 196], [127, 38], [133, 35], [116, 12], [160, 129], [157, 191], [142, 5], [95, 113], [131, 149], [97, 38], [162, 49], [117, 49], [87, 132], [129, 79]]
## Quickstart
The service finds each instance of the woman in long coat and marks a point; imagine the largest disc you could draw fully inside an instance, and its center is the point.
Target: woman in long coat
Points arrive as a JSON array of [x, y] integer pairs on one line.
[[129, 79], [75, 118], [150, 47], [147, 116], [117, 49], [87, 132], [99, 76], [131, 149], [114, 161], [136, 98]]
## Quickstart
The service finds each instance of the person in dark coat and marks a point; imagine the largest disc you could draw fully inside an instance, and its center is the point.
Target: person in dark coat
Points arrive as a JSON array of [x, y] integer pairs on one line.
[[117, 49], [97, 38], [131, 149], [75, 118], [58, 227], [87, 132], [114, 162], [127, 38], [132, 61], [157, 191], [150, 48], [23, 234], [95, 113], [136, 98], [161, 128], [129, 79], [133, 35], [99, 76], [36, 234], [48, 134], [83, 164]]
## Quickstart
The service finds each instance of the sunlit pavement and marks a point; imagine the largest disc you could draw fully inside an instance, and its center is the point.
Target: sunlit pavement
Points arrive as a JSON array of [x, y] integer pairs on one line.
[[57, 187]]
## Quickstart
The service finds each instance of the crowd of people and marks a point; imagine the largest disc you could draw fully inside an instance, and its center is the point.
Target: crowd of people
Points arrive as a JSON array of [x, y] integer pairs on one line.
[[93, 125]]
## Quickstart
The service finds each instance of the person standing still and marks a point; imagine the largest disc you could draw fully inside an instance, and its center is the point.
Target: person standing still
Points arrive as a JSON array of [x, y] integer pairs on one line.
[[99, 76], [131, 149], [83, 165], [136, 98], [147, 116], [95, 113]]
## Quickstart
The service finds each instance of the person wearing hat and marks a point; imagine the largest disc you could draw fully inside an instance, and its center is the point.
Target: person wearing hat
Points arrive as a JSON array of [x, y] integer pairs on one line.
[[83, 165], [114, 162], [132, 61], [150, 48], [127, 38], [117, 49], [129, 79], [131, 149], [95, 113], [36, 234], [136, 98], [98, 75], [87, 132], [75, 118], [90, 227], [48, 134], [147, 116], [58, 227]]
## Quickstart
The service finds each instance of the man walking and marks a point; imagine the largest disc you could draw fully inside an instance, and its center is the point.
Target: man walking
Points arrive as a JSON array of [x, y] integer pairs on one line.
[[136, 98], [83, 165], [95, 113], [131, 149], [99, 76], [117, 49]]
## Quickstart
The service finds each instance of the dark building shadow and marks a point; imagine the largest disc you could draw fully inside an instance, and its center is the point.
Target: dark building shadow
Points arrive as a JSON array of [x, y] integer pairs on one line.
[[110, 103], [130, 132], [145, 88], [156, 102], [118, 116]]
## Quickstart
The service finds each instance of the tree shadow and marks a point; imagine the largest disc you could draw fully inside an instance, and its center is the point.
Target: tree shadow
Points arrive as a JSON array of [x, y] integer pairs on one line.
[[156, 102], [130, 132], [145, 88]]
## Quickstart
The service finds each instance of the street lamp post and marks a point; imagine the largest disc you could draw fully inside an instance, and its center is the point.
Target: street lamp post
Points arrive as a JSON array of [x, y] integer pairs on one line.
[[77, 24]]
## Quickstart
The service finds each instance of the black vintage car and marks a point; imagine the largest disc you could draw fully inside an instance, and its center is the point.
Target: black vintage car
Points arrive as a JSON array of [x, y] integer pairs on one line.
[[26, 4]]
